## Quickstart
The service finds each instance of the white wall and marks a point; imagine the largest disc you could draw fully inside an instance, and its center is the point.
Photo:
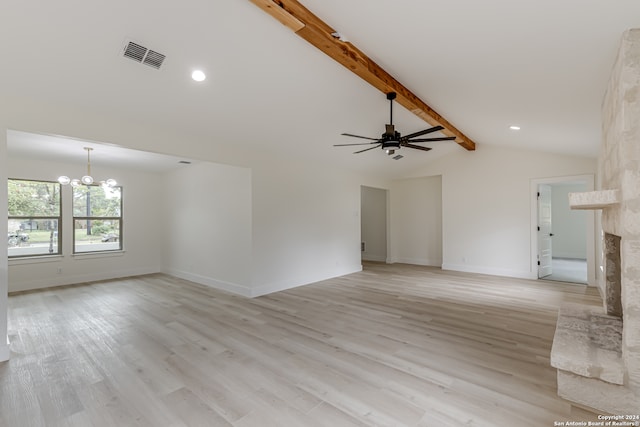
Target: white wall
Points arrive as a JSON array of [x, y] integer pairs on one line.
[[142, 231], [305, 219], [272, 227], [208, 225], [373, 227], [4, 277], [416, 221], [486, 205], [306, 225], [569, 226]]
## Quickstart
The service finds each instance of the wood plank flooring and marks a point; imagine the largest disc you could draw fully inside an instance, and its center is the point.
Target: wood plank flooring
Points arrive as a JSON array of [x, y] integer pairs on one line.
[[393, 345]]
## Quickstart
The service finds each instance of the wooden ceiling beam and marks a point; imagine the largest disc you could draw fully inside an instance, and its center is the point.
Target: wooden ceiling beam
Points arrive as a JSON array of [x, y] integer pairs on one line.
[[315, 31]]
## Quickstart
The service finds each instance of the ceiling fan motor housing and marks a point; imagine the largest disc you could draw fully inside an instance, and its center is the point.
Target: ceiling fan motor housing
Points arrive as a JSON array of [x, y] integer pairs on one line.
[[390, 140]]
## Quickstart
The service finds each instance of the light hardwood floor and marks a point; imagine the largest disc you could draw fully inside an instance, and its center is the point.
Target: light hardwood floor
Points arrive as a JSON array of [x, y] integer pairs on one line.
[[394, 345]]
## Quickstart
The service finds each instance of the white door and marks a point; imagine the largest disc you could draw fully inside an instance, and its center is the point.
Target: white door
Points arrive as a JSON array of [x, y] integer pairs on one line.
[[545, 235]]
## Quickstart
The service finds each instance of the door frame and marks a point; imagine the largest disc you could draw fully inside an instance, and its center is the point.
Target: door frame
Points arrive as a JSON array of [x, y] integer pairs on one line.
[[588, 181], [544, 228]]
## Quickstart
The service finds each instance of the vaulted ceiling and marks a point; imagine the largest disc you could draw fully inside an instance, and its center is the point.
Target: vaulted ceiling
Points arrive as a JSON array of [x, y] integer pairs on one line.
[[484, 66]]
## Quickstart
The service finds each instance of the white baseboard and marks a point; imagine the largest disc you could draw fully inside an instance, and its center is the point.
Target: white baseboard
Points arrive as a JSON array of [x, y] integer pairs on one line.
[[4, 351], [418, 261], [220, 285], [569, 255], [73, 279], [519, 274], [251, 292], [373, 257], [283, 286]]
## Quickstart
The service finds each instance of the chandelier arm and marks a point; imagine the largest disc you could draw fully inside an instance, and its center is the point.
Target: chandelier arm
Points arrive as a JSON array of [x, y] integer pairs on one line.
[[87, 179]]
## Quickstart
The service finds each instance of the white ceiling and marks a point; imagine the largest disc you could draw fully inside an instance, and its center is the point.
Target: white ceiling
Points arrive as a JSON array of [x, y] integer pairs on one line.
[[484, 66], [63, 149]]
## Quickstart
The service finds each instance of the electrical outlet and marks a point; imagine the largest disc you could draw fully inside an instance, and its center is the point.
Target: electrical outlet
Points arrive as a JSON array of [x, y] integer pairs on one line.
[[59, 270]]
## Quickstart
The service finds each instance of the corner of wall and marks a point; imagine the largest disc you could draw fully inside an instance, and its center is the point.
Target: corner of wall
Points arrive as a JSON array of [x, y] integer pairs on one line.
[[220, 285], [4, 351], [284, 285]]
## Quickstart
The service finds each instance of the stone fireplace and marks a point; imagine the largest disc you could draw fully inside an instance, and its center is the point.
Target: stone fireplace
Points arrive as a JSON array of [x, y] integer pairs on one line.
[[597, 350], [612, 263]]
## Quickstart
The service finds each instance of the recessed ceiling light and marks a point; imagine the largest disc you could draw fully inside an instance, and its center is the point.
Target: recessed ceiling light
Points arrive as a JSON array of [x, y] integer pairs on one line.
[[514, 127], [198, 75]]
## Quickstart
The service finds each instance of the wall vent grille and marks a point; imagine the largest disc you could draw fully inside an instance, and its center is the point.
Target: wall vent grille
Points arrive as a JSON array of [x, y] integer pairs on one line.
[[143, 55]]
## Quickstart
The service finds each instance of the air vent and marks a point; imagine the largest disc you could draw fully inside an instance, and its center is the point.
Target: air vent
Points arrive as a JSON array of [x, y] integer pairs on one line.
[[153, 59], [398, 157], [143, 55]]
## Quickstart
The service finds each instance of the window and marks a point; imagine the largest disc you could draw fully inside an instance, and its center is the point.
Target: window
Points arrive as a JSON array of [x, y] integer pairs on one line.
[[34, 218], [97, 218]]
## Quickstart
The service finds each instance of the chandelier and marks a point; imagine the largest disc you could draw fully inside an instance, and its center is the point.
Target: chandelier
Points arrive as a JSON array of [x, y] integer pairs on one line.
[[87, 179]]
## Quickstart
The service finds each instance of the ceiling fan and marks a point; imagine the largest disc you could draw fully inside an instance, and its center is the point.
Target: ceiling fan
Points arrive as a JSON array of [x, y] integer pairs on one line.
[[392, 140]]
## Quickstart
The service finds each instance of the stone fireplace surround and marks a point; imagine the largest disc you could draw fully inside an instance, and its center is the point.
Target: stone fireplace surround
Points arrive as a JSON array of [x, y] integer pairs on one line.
[[597, 350]]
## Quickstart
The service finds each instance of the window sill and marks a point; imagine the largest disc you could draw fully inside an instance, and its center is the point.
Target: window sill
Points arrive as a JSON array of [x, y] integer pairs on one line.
[[38, 259]]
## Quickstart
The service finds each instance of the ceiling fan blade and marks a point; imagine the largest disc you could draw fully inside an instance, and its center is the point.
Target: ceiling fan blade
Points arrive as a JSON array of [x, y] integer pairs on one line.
[[422, 132], [444, 138], [358, 136], [367, 149], [417, 147], [361, 143]]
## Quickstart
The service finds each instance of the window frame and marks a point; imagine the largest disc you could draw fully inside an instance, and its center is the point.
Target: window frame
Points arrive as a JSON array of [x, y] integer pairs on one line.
[[118, 219], [38, 218]]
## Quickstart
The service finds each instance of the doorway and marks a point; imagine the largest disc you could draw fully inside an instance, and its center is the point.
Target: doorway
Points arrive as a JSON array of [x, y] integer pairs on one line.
[[373, 224], [562, 239]]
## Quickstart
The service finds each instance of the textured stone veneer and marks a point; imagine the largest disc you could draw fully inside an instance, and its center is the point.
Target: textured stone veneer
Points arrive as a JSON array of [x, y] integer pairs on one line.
[[594, 199], [619, 199], [587, 351], [588, 343], [619, 168]]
